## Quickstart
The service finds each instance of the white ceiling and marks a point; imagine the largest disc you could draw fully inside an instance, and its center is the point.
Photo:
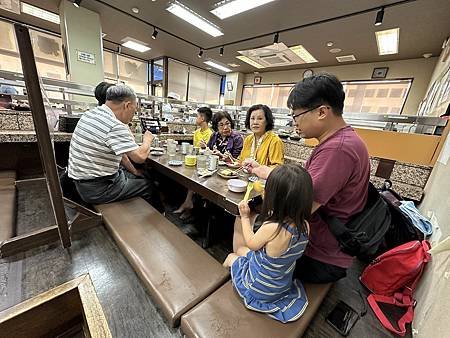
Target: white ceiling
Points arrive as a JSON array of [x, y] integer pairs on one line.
[[424, 24]]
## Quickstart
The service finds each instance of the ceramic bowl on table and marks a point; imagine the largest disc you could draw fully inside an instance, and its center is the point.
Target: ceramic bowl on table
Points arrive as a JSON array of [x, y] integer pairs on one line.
[[156, 153], [236, 185]]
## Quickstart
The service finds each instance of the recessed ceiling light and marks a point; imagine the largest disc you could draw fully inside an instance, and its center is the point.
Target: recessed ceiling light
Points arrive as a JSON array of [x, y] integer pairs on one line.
[[188, 15], [427, 55], [303, 54], [346, 58], [217, 66], [249, 61], [208, 68], [135, 45], [387, 41], [234, 65], [40, 13], [330, 43], [335, 50], [135, 10], [226, 9]]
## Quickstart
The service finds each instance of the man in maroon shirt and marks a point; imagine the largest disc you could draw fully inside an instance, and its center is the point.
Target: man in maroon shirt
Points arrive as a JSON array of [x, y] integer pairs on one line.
[[339, 167]]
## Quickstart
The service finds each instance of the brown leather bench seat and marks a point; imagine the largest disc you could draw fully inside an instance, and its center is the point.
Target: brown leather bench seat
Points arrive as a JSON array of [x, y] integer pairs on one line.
[[7, 204], [223, 314], [176, 271]]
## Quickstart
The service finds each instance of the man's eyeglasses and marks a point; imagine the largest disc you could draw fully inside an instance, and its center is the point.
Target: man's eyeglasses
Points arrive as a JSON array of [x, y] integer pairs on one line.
[[304, 112]]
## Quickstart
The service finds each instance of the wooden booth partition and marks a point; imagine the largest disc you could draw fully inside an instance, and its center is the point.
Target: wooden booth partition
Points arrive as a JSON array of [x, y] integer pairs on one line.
[[403, 147], [69, 310]]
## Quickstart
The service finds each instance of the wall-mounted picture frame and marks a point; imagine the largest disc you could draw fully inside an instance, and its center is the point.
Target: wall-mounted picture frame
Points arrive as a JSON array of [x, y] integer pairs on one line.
[[380, 73], [257, 79], [229, 86]]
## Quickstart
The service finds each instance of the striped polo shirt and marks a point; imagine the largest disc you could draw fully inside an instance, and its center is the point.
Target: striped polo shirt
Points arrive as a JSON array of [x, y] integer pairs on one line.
[[98, 143]]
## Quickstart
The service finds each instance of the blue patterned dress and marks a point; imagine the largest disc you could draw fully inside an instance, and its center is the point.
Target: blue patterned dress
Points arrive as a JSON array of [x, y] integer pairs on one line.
[[265, 283]]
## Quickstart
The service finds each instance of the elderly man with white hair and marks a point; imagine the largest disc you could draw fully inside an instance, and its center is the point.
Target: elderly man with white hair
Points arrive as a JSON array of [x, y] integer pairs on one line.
[[99, 141]]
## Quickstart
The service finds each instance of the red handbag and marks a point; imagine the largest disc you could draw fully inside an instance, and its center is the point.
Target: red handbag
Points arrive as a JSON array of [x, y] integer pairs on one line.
[[392, 278]]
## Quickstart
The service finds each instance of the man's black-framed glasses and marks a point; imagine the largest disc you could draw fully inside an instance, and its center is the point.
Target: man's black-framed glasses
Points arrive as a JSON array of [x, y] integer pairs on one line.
[[304, 112]]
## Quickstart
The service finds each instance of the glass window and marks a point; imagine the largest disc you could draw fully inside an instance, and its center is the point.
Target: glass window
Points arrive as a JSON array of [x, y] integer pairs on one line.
[[197, 85], [110, 66], [133, 73], [177, 79], [47, 50], [382, 97], [9, 54], [271, 95]]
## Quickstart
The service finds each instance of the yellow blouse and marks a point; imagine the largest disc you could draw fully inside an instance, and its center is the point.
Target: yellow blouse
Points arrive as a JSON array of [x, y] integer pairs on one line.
[[270, 152], [202, 135]]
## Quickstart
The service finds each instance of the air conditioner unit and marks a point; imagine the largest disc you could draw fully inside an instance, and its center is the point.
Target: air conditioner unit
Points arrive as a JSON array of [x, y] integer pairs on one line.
[[278, 55]]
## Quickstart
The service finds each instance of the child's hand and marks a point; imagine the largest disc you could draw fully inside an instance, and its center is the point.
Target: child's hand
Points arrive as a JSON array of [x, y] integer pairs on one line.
[[244, 210], [202, 144]]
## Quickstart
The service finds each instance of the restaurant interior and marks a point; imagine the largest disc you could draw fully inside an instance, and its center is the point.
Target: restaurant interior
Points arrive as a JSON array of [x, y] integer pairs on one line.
[[72, 265]]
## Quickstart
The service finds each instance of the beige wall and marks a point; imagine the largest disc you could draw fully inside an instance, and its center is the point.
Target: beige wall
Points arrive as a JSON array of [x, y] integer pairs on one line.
[[418, 69], [433, 294], [437, 190]]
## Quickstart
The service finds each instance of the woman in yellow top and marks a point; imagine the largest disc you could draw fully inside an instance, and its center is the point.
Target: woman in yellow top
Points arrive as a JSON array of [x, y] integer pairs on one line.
[[263, 145]]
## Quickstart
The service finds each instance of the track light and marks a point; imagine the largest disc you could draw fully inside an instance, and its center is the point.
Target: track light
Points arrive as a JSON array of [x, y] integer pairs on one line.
[[77, 3], [155, 33], [221, 51], [275, 38], [200, 53], [380, 15]]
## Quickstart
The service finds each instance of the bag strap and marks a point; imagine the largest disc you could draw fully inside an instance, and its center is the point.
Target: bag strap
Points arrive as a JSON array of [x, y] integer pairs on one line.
[[405, 319], [403, 299]]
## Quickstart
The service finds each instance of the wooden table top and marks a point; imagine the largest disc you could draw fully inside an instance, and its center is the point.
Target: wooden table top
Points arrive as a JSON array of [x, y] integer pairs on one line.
[[213, 188]]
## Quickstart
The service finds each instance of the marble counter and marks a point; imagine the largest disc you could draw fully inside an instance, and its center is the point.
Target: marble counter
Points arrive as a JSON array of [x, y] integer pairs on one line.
[[408, 179]]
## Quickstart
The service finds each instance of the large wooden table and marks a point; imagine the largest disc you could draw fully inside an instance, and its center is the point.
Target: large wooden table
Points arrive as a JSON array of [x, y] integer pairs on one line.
[[213, 188]]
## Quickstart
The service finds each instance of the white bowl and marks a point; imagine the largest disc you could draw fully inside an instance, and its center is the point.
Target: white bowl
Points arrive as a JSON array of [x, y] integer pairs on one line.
[[237, 185]]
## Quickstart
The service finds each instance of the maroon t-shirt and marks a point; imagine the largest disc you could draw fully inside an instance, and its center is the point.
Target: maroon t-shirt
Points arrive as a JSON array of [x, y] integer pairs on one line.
[[340, 171]]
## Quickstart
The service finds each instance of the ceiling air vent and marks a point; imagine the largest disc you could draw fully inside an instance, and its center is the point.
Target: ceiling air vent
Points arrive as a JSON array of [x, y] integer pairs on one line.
[[346, 58], [277, 55]]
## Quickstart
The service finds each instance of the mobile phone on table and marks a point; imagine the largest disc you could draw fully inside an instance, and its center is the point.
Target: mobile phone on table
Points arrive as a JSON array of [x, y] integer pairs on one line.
[[342, 318]]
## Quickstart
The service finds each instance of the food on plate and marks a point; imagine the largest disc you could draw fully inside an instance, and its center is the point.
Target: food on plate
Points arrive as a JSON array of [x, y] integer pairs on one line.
[[227, 172]]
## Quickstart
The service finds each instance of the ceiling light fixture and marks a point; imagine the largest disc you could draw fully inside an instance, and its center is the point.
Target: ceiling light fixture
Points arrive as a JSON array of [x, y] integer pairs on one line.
[[135, 10], [303, 53], [200, 53], [155, 33], [249, 61], [379, 18], [330, 43], [221, 51], [427, 55], [188, 15], [234, 65], [77, 3], [217, 66], [40, 13], [226, 9], [137, 46], [276, 38], [387, 41]]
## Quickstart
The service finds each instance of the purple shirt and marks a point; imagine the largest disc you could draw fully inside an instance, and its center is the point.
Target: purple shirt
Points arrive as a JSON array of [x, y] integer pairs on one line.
[[340, 172], [233, 143]]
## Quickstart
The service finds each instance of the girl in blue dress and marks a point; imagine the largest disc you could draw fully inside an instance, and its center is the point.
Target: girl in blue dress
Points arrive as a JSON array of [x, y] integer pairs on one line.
[[261, 271]]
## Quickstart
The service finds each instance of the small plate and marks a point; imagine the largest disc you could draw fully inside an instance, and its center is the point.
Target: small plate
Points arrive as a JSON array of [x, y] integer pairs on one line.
[[220, 173], [175, 163], [156, 153]]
